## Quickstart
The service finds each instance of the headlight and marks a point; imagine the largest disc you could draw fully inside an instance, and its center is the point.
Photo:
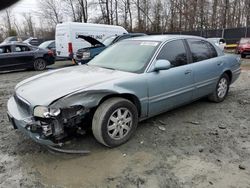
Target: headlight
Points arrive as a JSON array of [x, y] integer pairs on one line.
[[45, 112], [86, 55]]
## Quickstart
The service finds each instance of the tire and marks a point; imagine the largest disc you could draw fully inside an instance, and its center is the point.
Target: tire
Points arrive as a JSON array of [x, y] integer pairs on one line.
[[243, 55], [221, 90], [120, 128], [40, 64]]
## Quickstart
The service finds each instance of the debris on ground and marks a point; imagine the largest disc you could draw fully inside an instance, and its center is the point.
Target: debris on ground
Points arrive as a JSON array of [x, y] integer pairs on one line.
[[242, 167], [222, 126], [162, 128], [193, 122]]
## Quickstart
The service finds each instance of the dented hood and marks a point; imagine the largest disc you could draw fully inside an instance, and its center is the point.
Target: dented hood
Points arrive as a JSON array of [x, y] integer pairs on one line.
[[45, 88]]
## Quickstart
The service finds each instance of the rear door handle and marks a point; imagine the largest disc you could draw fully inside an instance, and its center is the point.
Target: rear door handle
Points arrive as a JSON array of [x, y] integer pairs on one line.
[[188, 71]]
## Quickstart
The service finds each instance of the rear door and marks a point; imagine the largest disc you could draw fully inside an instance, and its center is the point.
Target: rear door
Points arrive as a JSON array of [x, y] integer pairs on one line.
[[23, 55], [173, 87], [206, 66]]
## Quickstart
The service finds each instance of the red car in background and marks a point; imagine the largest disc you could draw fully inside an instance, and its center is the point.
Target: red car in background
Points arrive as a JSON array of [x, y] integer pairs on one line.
[[243, 47]]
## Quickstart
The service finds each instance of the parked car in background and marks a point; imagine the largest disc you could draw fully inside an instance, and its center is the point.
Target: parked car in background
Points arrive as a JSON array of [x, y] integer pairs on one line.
[[13, 39], [220, 42], [130, 81], [23, 56], [84, 55], [243, 47], [51, 45], [67, 42], [32, 41]]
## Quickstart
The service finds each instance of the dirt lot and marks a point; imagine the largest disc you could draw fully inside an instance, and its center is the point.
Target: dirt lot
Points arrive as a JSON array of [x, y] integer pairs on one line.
[[202, 144]]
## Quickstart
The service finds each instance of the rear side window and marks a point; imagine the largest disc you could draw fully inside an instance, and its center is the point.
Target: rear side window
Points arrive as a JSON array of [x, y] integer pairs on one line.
[[20, 48], [201, 50], [174, 52]]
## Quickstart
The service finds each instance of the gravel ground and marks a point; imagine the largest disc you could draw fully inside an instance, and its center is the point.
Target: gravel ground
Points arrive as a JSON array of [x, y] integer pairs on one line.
[[202, 144]]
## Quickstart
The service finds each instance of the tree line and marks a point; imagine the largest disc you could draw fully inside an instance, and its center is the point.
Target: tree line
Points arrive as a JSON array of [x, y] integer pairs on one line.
[[149, 16]]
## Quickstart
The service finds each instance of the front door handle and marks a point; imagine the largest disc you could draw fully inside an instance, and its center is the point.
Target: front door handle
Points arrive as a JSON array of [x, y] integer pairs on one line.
[[188, 72], [220, 63]]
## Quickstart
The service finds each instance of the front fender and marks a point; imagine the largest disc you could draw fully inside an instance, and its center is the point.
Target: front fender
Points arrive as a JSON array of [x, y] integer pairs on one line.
[[88, 99]]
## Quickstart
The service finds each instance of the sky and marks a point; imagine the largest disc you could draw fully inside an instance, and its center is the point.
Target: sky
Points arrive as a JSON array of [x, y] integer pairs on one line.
[[25, 6]]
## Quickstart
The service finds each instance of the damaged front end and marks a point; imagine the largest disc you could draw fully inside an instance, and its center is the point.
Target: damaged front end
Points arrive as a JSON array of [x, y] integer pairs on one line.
[[52, 125], [54, 122]]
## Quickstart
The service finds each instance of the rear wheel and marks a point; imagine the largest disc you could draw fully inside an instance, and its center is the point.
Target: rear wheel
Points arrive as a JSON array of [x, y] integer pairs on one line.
[[221, 90], [115, 121], [40, 64]]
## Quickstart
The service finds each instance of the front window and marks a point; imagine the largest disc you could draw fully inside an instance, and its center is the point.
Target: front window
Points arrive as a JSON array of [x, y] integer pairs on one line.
[[5, 49], [129, 56], [174, 52]]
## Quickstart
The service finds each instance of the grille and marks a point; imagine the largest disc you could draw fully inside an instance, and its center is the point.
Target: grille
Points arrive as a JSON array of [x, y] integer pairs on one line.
[[22, 104]]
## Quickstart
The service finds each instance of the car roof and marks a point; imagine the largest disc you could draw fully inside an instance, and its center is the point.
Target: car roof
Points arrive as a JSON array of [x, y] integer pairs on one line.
[[14, 43], [133, 34], [162, 38]]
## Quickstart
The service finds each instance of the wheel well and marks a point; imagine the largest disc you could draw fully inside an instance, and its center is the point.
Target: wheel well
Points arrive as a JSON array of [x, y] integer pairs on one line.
[[132, 98], [229, 73]]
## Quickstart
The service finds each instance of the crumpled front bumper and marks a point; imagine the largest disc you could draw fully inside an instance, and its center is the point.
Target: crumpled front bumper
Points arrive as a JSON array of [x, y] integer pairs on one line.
[[20, 122]]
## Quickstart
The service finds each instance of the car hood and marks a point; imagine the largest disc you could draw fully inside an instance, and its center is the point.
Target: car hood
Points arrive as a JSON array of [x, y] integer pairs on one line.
[[245, 45], [45, 88], [91, 40]]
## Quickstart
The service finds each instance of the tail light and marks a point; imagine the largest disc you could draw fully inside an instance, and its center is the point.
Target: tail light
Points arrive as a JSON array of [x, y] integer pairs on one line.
[[70, 48], [50, 53]]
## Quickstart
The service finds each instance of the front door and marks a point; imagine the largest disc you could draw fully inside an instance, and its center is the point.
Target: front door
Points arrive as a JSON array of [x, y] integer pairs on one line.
[[170, 88], [7, 61]]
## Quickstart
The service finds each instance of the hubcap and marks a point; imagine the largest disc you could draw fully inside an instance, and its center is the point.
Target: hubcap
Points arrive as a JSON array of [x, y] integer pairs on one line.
[[222, 88], [40, 64], [120, 123]]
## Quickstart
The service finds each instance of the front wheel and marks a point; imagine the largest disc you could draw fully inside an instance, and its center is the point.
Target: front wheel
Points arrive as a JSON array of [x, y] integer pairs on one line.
[[115, 121], [40, 64], [243, 55], [221, 90]]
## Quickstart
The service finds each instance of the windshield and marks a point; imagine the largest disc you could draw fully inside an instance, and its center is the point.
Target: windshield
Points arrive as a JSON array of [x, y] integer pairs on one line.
[[128, 56], [245, 40], [108, 41]]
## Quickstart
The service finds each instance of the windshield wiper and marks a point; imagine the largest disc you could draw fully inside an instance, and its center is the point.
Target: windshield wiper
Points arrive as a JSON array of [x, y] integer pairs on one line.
[[108, 68]]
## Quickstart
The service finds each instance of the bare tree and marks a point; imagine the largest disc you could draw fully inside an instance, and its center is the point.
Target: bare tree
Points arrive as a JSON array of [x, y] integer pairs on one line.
[[29, 24], [51, 10]]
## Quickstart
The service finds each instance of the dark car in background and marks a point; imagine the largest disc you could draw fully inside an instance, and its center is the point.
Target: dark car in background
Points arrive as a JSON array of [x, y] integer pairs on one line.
[[15, 56], [243, 47], [84, 55], [51, 45]]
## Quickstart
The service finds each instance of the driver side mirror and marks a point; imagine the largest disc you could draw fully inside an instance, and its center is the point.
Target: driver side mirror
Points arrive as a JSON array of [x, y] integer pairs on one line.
[[162, 64]]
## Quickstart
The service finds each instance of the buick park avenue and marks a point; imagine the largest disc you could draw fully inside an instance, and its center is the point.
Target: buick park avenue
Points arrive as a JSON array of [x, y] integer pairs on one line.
[[128, 82]]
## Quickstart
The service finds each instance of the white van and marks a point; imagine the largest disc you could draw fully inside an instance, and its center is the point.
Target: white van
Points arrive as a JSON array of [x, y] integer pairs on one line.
[[67, 42]]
